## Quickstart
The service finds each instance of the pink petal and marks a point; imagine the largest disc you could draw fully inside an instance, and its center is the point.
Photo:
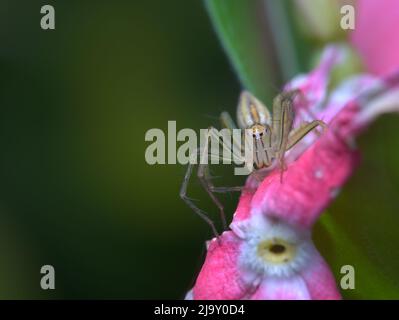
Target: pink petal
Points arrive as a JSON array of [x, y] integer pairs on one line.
[[377, 23], [243, 210], [320, 280], [315, 84], [219, 277], [315, 282], [293, 288], [310, 183]]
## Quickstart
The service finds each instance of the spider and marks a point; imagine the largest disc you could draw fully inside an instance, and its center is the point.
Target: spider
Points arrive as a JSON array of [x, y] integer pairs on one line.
[[272, 137]]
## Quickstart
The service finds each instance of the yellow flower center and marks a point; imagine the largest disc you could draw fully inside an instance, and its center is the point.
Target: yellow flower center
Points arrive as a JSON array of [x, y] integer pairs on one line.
[[276, 251]]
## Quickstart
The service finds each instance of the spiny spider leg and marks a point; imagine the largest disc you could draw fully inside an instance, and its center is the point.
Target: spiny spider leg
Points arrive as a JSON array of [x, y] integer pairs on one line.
[[206, 183], [190, 203], [205, 180]]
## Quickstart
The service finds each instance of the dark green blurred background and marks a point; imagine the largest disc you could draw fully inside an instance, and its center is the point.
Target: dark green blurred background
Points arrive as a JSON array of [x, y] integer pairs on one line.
[[75, 103], [75, 190]]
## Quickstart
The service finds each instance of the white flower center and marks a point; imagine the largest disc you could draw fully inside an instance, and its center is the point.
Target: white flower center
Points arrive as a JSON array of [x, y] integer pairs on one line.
[[274, 248]]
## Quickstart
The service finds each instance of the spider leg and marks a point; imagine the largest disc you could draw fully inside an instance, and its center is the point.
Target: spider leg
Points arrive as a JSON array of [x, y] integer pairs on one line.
[[190, 203], [282, 120], [204, 178], [227, 121], [225, 189], [297, 134], [207, 185], [306, 113]]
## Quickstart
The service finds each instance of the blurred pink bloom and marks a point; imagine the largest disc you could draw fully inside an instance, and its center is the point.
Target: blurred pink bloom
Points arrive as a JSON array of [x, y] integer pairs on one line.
[[375, 34], [269, 254]]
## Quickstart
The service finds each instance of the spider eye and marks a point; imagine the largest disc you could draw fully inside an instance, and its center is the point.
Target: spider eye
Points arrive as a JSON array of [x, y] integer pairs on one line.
[[261, 134]]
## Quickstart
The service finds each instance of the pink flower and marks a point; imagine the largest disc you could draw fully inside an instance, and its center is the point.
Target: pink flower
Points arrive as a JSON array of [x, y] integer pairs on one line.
[[376, 23], [245, 269], [269, 254]]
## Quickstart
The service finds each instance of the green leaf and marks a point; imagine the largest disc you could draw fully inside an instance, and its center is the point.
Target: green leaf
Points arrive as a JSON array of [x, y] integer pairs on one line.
[[245, 41], [370, 282]]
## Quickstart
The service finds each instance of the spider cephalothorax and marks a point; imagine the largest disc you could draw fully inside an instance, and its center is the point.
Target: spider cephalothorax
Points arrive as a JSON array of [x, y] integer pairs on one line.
[[273, 134]]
